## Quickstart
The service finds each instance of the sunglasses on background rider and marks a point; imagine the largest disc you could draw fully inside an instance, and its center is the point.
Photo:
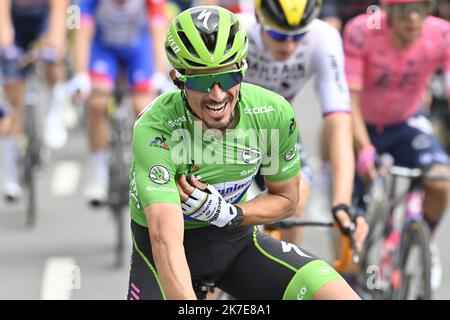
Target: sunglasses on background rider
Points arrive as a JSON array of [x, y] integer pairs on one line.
[[204, 82], [282, 37]]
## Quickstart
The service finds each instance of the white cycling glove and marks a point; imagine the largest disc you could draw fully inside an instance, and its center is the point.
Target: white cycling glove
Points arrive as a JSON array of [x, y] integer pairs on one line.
[[80, 83], [209, 205]]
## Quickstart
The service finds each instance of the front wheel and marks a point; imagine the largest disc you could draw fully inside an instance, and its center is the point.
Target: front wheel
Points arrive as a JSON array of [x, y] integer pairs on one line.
[[411, 280], [31, 161]]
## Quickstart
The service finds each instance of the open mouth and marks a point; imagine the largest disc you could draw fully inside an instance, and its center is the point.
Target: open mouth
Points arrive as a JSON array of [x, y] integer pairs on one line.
[[217, 110]]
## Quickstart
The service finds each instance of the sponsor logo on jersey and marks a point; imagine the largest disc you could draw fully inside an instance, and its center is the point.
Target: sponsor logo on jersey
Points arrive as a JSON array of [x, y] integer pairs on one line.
[[251, 156], [249, 171], [160, 142], [290, 165], [159, 174], [177, 122], [292, 126], [291, 153], [160, 189], [233, 191], [258, 110]]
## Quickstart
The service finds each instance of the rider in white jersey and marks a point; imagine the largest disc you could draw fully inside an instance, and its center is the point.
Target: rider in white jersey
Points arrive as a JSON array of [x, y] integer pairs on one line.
[[288, 46], [319, 53]]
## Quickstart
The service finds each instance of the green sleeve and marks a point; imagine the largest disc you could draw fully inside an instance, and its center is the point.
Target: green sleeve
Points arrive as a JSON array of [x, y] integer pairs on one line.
[[284, 162], [153, 169]]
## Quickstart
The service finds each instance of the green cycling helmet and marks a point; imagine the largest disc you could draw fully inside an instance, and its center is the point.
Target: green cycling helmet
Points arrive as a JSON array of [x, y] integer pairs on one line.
[[205, 37]]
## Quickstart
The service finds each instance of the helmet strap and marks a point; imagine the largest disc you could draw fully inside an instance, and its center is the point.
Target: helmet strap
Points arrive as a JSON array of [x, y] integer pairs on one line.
[[186, 103]]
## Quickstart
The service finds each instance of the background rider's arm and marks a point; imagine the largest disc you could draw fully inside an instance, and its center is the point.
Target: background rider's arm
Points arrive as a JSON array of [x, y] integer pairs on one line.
[[335, 102], [158, 26], [166, 231], [360, 134], [82, 43], [57, 30], [338, 133], [277, 203], [6, 26], [355, 45]]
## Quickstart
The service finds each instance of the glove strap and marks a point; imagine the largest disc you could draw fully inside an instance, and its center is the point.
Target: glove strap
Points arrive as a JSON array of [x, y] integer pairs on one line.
[[349, 212], [236, 222]]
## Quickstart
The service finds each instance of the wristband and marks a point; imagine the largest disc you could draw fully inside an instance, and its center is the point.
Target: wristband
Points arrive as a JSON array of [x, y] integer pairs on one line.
[[365, 160]]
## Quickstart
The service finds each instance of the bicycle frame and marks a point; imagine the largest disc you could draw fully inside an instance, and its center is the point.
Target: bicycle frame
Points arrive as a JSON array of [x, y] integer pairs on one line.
[[349, 253], [33, 145], [119, 165], [408, 223], [413, 197]]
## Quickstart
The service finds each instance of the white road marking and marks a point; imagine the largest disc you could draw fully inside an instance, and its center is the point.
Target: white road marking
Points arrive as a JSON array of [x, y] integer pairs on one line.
[[61, 276], [66, 178]]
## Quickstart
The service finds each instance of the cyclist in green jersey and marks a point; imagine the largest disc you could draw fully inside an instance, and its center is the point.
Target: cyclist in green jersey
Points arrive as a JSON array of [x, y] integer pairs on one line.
[[196, 152]]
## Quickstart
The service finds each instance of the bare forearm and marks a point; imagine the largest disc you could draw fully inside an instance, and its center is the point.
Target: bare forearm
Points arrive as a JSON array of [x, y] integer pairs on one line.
[[360, 135], [6, 28], [173, 270], [81, 50], [158, 35], [338, 130], [269, 207], [57, 24], [166, 231]]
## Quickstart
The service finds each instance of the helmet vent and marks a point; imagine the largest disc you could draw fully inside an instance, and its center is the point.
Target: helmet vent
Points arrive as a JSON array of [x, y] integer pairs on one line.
[[209, 40], [187, 44], [178, 25], [172, 54], [229, 59], [195, 64], [233, 30]]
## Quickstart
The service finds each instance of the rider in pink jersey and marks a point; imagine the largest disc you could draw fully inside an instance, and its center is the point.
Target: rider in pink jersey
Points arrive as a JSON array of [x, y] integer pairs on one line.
[[392, 81], [389, 60]]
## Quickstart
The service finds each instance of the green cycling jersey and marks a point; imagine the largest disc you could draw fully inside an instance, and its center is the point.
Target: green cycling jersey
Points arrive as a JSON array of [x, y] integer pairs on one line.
[[168, 141]]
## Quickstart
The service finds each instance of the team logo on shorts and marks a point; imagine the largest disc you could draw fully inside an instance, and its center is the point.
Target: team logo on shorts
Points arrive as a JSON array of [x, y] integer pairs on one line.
[[159, 174], [291, 153], [251, 156], [324, 270]]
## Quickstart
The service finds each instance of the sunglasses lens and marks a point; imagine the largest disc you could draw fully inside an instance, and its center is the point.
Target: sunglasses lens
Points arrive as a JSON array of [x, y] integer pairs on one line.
[[205, 83], [298, 37], [277, 36], [284, 37]]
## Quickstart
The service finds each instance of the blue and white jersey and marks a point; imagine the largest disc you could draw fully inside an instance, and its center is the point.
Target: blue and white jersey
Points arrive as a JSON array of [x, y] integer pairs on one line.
[[120, 23]]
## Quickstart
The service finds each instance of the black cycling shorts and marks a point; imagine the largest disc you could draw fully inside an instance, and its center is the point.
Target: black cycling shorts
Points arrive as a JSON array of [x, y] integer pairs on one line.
[[242, 262]]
